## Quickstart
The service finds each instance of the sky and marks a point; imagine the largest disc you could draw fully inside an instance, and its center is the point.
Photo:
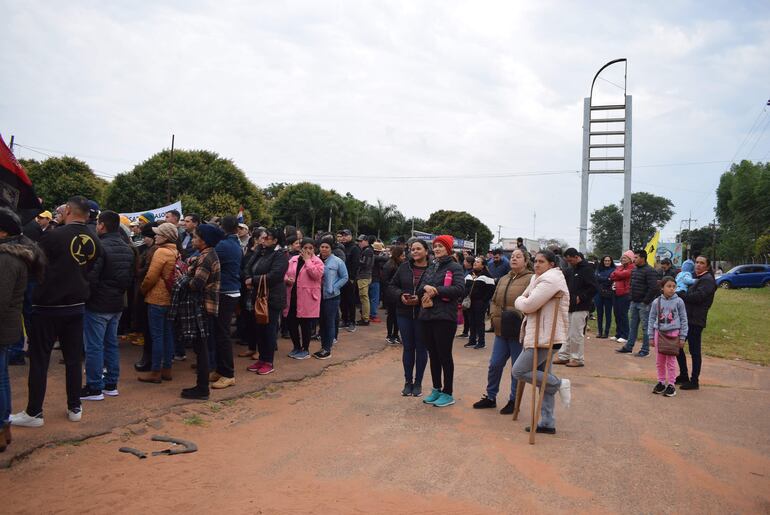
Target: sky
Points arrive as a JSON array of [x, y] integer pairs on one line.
[[423, 104]]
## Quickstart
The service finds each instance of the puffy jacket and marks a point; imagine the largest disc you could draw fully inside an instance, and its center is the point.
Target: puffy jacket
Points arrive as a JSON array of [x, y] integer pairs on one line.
[[335, 277], [509, 288], [18, 256], [480, 288], [379, 262], [403, 282], [581, 283], [366, 263], [230, 256], [644, 284], [271, 263], [445, 303], [308, 285], [352, 259], [603, 281], [698, 299], [111, 275], [540, 296], [500, 268], [621, 277], [161, 267]]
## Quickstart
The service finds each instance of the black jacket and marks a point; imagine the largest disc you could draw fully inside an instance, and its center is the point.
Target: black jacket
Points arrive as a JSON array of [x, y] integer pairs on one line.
[[698, 299], [644, 284], [111, 275], [445, 303], [352, 260], [581, 282], [19, 259], [272, 264], [366, 263], [402, 282], [379, 263], [71, 251], [480, 288]]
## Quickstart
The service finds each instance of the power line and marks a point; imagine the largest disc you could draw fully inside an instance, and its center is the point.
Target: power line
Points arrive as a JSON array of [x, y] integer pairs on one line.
[[753, 126], [767, 124]]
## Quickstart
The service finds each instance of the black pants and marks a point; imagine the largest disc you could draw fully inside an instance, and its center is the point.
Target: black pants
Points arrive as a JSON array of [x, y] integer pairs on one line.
[[392, 320], [466, 321], [694, 334], [44, 331], [475, 322], [224, 353], [267, 336], [348, 303], [300, 324], [201, 348], [438, 336]]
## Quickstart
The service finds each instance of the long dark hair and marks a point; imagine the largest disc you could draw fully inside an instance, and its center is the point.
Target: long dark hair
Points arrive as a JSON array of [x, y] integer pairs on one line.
[[396, 251], [600, 265], [549, 256]]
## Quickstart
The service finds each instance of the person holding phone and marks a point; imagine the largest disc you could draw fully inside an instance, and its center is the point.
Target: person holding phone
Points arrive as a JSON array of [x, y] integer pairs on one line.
[[303, 290], [402, 291]]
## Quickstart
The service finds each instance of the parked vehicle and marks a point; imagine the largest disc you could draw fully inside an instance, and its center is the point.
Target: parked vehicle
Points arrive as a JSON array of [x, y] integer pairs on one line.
[[745, 276]]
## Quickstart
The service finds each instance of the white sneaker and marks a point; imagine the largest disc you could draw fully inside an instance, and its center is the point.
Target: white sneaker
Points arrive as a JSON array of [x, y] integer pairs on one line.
[[565, 393], [75, 415], [24, 420], [622, 340], [613, 338], [111, 393]]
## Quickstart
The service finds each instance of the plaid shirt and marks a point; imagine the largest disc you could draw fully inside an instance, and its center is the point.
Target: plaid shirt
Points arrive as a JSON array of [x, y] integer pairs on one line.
[[204, 274], [186, 312]]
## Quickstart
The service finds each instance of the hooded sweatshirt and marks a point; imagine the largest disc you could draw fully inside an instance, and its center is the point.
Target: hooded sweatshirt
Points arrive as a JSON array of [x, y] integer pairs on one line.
[[684, 279], [668, 315]]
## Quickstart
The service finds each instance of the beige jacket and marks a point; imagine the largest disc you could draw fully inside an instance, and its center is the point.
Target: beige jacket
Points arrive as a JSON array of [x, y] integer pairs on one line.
[[539, 295], [506, 294], [161, 267]]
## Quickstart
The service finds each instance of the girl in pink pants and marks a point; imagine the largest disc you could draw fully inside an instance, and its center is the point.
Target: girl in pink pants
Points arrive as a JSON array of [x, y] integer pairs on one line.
[[667, 316]]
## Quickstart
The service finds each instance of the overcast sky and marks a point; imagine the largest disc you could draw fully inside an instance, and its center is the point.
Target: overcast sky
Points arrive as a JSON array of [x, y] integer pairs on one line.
[[358, 95]]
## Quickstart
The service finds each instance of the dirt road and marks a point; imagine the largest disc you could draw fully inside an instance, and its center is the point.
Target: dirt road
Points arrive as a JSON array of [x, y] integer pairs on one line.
[[345, 441]]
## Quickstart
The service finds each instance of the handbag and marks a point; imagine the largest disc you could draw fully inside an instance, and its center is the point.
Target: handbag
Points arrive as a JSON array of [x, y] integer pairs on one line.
[[668, 344], [467, 299], [510, 321], [261, 311]]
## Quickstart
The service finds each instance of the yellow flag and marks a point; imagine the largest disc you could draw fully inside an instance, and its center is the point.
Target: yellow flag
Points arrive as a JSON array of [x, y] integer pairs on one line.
[[652, 249]]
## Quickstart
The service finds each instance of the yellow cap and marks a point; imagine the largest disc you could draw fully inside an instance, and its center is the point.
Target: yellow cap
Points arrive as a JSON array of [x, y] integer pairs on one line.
[[45, 214]]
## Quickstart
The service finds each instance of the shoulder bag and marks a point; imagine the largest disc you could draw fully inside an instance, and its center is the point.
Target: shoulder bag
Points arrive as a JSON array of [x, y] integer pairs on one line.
[[261, 311], [510, 321], [667, 344]]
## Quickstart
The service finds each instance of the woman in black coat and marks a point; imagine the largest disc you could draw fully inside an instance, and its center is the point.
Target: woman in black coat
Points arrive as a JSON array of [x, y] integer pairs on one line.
[[479, 286], [697, 301], [440, 291]]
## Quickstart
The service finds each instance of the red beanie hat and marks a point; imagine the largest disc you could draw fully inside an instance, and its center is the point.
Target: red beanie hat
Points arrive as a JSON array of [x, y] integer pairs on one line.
[[445, 240]]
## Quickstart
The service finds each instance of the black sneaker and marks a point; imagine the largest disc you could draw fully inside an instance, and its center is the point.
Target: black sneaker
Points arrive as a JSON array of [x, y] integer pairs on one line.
[[462, 335], [17, 362], [416, 390], [322, 354], [111, 390], [682, 379], [407, 391], [142, 366], [690, 385], [469, 345], [624, 350], [543, 430], [397, 340], [485, 403], [351, 328], [479, 346], [195, 393], [659, 388], [89, 394], [362, 323], [642, 354], [508, 408], [670, 391]]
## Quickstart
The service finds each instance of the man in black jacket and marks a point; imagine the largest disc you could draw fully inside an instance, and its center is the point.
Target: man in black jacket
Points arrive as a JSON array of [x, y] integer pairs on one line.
[[58, 304], [352, 262], [365, 267], [644, 289], [581, 282], [110, 277]]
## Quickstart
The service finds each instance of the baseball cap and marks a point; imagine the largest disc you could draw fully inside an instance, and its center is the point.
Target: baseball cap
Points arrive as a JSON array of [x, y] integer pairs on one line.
[[45, 214]]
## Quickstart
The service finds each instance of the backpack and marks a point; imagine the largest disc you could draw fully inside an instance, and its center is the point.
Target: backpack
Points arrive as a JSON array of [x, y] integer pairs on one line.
[[179, 270]]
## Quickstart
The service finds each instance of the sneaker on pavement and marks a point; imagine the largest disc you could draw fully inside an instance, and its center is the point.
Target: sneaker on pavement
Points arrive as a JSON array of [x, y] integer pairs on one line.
[[542, 430], [642, 354], [390, 340], [462, 335], [416, 390], [302, 354], [485, 403], [293, 353], [624, 350], [659, 388], [565, 392], [690, 385], [469, 345], [195, 393], [180, 357], [444, 400], [254, 367], [363, 323], [91, 394], [622, 341], [574, 363], [670, 391], [265, 369], [613, 338], [508, 408], [352, 328], [407, 391], [23, 420], [223, 382], [75, 414], [322, 354], [430, 399], [111, 390], [479, 346], [680, 379]]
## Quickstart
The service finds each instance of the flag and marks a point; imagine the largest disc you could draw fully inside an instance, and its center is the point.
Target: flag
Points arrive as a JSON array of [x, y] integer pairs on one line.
[[652, 248], [16, 189], [240, 215]]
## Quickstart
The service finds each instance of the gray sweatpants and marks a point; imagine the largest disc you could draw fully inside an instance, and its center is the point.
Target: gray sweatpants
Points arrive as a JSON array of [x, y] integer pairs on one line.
[[522, 371]]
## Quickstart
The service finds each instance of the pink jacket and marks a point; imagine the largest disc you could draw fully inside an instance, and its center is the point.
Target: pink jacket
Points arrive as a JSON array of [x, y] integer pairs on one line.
[[539, 295], [308, 287]]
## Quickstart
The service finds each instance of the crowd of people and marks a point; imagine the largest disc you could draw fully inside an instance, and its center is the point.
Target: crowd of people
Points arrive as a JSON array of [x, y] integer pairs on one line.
[[84, 279]]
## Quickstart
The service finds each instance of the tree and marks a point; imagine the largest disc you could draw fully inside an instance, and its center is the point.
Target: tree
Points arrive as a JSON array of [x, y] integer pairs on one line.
[[460, 224], [382, 218], [273, 189], [58, 178], [301, 205], [648, 213], [205, 182], [743, 209]]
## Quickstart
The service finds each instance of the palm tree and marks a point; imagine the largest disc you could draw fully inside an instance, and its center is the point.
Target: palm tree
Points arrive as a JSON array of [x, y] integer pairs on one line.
[[381, 216]]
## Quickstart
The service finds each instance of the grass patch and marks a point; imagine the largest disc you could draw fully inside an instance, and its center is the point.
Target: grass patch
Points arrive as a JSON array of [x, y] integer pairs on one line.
[[739, 325], [194, 420]]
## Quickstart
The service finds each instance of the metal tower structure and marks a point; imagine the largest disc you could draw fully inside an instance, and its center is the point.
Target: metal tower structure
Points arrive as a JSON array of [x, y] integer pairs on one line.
[[607, 130]]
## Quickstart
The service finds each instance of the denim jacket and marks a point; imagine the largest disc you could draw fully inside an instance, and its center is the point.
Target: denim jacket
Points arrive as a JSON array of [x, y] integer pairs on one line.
[[335, 276]]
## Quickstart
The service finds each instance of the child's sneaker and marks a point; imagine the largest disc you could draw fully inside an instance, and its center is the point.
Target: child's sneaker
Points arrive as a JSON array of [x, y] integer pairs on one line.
[[659, 388], [670, 391]]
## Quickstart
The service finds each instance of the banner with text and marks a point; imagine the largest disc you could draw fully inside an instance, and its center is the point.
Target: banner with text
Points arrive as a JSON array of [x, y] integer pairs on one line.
[[160, 213]]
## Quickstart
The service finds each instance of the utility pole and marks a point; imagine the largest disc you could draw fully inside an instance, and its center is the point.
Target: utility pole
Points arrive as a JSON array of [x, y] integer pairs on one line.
[[170, 171], [476, 243], [689, 221], [534, 223], [11, 145], [330, 219], [413, 227], [499, 230], [714, 242]]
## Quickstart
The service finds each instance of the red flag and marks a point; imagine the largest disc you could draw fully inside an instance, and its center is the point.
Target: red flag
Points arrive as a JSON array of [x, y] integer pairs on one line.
[[16, 189]]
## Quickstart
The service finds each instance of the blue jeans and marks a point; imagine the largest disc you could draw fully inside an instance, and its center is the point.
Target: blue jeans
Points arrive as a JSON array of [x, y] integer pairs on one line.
[[328, 321], [522, 370], [622, 303], [100, 336], [162, 332], [603, 314], [502, 350], [415, 356], [640, 314], [374, 298], [5, 386]]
